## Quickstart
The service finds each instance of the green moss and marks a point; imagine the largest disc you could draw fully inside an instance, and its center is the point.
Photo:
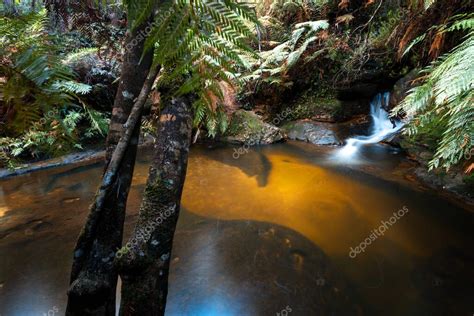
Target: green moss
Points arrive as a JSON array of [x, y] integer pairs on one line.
[[244, 122], [311, 105], [428, 135]]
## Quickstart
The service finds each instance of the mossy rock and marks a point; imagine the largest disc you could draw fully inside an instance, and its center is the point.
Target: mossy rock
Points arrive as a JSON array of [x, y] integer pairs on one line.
[[246, 127]]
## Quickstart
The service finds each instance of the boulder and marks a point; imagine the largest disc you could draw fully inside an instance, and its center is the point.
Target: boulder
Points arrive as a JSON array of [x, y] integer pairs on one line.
[[357, 94], [246, 127], [317, 133]]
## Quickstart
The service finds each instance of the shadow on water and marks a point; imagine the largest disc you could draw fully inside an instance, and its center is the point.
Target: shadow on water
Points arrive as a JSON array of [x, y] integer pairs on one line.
[[254, 163], [269, 230]]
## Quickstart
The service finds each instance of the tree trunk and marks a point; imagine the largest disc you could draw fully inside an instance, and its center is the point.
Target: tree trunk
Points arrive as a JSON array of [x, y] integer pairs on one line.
[[144, 261], [93, 276]]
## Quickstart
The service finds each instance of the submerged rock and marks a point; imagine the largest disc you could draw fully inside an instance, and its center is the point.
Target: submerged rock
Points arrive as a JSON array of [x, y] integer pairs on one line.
[[453, 183], [281, 271], [317, 133], [246, 127]]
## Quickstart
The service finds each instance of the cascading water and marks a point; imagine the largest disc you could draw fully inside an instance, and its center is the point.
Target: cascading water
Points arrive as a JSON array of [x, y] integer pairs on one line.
[[381, 129]]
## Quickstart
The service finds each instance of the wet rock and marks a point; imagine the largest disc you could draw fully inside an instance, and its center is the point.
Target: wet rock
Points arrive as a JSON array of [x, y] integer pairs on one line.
[[97, 72], [426, 155], [451, 183], [317, 133], [401, 88], [395, 141], [359, 90], [89, 156], [246, 127], [357, 94], [279, 269]]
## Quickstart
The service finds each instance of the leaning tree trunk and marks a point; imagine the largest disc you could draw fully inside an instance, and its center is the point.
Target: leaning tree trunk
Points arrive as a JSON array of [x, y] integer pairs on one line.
[[144, 261], [93, 276]]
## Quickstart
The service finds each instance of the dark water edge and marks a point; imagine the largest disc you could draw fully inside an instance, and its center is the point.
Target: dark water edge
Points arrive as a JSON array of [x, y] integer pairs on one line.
[[258, 235]]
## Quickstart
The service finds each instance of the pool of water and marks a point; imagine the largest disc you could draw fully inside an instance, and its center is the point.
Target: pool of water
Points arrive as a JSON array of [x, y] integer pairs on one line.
[[270, 232]]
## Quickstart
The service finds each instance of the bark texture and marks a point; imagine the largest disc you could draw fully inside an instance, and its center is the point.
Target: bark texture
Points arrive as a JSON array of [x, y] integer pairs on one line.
[[93, 276], [144, 261]]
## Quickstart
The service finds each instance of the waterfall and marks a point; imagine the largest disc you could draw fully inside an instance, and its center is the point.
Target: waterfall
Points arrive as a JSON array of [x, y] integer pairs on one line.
[[381, 128]]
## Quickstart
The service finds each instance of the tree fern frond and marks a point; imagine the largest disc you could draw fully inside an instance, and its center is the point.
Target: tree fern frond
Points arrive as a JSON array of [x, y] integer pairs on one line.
[[206, 42], [446, 94]]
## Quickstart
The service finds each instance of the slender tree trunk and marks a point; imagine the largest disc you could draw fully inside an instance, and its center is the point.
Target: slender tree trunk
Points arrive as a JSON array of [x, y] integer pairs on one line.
[[93, 276], [144, 261]]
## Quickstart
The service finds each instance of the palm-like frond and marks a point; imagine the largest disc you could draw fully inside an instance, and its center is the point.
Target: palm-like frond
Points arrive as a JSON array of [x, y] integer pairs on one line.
[[446, 93], [39, 92], [206, 41], [280, 59]]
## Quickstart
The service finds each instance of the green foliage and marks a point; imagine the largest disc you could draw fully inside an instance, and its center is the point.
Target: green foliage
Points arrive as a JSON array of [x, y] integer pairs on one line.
[[36, 80], [446, 95], [54, 135], [459, 22], [380, 32], [276, 62], [39, 93], [292, 11], [244, 122], [469, 181], [199, 44]]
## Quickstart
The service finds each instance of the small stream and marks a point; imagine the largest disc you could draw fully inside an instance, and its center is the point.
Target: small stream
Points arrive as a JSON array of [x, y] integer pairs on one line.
[[382, 127], [265, 233]]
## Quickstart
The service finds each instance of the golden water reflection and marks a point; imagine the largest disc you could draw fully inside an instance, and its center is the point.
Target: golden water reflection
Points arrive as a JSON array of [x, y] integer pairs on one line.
[[332, 210], [291, 185]]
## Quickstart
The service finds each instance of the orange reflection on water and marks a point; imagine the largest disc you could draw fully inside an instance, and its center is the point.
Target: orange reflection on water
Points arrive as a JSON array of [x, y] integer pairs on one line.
[[334, 211]]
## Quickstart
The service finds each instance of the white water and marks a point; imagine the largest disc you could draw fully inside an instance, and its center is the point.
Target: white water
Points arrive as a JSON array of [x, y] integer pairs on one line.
[[381, 128]]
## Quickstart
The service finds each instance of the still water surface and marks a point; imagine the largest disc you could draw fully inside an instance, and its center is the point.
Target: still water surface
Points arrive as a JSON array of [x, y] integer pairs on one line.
[[267, 233]]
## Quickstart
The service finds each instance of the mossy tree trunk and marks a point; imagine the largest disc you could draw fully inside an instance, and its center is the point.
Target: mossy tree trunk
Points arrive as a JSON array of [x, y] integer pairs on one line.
[[144, 261], [93, 276]]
